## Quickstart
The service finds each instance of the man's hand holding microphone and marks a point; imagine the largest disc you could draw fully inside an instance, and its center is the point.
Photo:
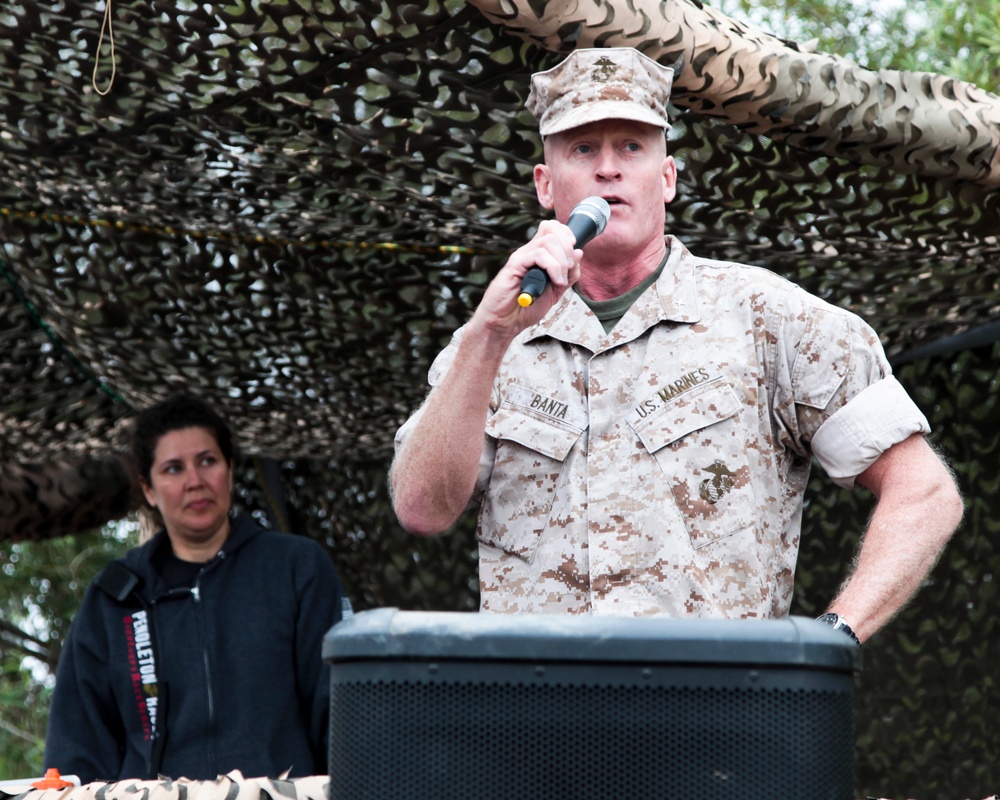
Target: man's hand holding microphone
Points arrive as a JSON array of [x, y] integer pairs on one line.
[[518, 296], [587, 220]]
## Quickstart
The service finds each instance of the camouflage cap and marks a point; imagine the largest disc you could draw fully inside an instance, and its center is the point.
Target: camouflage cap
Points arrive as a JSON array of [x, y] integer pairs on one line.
[[598, 83]]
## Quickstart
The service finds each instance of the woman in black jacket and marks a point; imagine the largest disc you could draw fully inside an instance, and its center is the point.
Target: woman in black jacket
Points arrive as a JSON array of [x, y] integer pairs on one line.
[[199, 652]]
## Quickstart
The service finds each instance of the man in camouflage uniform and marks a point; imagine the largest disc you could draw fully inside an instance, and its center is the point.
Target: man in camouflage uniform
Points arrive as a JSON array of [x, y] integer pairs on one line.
[[641, 443]]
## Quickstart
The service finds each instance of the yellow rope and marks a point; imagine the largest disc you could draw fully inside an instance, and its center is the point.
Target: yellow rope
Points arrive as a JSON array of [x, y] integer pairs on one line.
[[324, 244]]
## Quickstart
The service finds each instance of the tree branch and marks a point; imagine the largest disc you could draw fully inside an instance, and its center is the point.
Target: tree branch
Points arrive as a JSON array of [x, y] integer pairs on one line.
[[20, 640]]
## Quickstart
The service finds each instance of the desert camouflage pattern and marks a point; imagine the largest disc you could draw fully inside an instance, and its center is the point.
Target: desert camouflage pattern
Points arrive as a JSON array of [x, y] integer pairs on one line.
[[600, 83], [660, 469], [232, 786], [910, 121]]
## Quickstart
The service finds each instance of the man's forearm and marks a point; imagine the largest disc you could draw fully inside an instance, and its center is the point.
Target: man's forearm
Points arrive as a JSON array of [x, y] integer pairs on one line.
[[918, 509], [434, 473]]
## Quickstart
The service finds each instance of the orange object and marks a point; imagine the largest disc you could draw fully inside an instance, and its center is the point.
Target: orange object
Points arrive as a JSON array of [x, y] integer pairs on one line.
[[52, 780]]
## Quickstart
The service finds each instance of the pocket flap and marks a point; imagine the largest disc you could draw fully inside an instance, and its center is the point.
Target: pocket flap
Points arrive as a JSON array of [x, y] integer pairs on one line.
[[544, 435], [695, 409]]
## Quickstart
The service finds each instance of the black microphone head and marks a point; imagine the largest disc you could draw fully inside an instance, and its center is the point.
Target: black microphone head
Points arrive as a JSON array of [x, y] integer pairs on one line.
[[588, 219]]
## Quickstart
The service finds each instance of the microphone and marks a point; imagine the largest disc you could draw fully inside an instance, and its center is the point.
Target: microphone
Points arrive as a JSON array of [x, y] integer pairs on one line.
[[587, 220]]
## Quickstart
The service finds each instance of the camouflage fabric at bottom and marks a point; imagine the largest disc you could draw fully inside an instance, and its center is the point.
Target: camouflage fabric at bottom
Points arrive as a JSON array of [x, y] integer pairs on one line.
[[231, 786], [660, 468]]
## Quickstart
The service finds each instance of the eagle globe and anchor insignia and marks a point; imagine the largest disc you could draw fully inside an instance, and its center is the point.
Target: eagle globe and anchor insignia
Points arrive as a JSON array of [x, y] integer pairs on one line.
[[713, 489]]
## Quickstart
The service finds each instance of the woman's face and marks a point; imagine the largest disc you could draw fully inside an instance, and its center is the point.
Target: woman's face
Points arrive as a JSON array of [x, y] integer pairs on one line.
[[191, 484]]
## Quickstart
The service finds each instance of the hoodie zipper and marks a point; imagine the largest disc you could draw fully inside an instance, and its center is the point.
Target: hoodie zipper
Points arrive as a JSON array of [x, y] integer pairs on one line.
[[195, 591], [196, 596]]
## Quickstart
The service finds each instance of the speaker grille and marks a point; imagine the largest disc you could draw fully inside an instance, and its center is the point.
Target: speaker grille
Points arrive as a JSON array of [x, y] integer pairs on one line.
[[473, 730]]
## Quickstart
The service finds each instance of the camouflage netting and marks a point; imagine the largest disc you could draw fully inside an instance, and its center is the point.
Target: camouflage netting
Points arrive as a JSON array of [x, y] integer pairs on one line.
[[231, 786], [287, 207]]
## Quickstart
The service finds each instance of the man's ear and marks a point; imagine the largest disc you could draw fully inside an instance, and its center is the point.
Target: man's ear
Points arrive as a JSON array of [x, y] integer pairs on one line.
[[669, 179], [543, 186]]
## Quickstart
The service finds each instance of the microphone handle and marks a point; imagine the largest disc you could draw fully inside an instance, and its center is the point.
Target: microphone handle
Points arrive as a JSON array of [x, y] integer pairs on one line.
[[532, 285]]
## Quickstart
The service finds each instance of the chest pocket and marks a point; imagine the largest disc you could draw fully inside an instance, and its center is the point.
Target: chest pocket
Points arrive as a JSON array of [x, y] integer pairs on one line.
[[700, 446], [528, 474]]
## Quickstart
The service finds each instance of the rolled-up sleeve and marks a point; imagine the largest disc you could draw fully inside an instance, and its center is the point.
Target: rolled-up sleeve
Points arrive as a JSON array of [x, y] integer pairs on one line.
[[858, 433], [837, 397]]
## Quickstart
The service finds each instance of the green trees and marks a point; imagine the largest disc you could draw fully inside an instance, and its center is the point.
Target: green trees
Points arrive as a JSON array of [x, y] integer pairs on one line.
[[958, 38], [961, 39], [43, 583]]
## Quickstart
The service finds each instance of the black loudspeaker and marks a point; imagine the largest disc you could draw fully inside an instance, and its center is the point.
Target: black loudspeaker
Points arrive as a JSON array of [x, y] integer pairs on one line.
[[526, 707]]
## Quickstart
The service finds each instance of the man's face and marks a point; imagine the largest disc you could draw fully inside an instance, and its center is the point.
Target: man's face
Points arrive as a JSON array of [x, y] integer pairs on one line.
[[622, 161]]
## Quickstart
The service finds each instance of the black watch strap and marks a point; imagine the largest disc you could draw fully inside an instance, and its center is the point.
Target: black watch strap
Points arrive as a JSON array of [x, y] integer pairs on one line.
[[838, 623]]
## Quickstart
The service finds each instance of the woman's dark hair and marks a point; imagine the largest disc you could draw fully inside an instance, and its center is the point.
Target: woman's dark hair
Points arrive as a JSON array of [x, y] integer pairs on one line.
[[175, 413]]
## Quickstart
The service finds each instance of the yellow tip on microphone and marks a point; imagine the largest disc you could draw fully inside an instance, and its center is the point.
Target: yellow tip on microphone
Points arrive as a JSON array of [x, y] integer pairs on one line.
[[532, 286]]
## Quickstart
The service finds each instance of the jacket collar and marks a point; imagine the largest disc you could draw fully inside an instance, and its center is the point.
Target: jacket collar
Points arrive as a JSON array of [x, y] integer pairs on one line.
[[143, 559]]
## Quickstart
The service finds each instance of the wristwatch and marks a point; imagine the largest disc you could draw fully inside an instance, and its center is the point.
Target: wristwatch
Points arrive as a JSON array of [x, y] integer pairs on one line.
[[838, 623]]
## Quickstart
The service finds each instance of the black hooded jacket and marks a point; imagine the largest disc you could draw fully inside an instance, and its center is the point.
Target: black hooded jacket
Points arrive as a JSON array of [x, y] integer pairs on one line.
[[195, 682]]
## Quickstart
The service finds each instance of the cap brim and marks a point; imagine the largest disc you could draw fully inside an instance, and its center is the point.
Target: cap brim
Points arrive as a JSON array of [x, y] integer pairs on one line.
[[598, 110]]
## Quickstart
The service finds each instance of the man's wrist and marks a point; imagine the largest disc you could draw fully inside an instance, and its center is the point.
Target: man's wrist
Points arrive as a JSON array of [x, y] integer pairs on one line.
[[838, 623]]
